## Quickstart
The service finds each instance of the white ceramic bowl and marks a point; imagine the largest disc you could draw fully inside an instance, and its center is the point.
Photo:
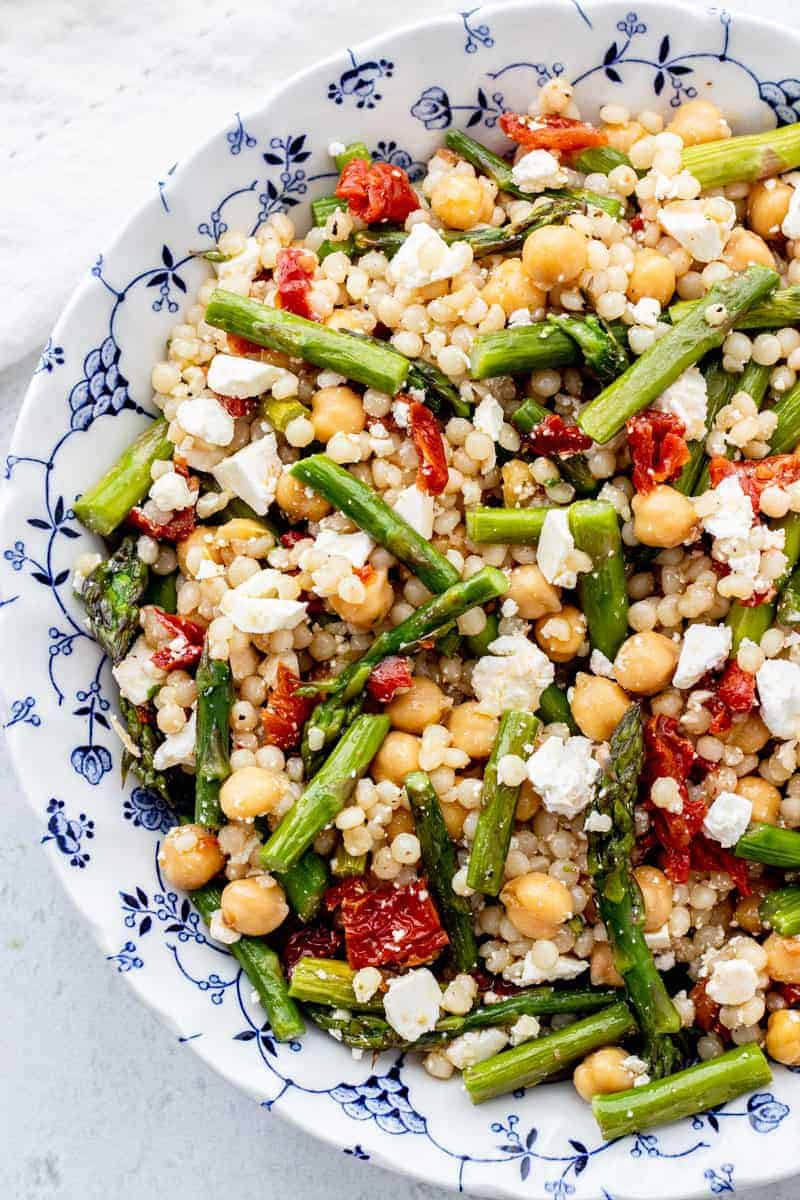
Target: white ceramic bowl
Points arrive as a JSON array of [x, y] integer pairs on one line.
[[87, 400]]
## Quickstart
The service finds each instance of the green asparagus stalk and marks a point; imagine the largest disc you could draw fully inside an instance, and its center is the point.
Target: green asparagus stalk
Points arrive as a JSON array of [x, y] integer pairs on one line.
[[305, 884], [352, 151], [262, 967], [604, 597], [720, 386], [697, 1089], [778, 310], [787, 432], [106, 505], [329, 982], [575, 468], [602, 352], [487, 859], [789, 604], [346, 246], [280, 413], [323, 206], [440, 391], [526, 1065], [510, 526], [781, 910], [355, 358], [753, 622], [770, 845], [554, 708], [439, 862], [374, 516], [683, 346], [345, 865], [601, 160], [478, 643], [522, 348], [326, 794], [744, 159], [212, 753], [162, 590], [755, 381], [111, 595], [146, 740]]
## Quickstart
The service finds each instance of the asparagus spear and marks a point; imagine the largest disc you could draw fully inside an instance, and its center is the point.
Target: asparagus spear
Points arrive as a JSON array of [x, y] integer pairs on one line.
[[705, 1086], [781, 910], [618, 897], [532, 1062], [554, 708], [489, 851], [262, 967], [603, 594], [720, 386], [754, 380], [603, 353], [779, 309], [478, 643], [106, 505], [440, 392], [323, 206], [326, 794], [787, 432], [374, 516], [512, 526], [439, 861], [770, 845], [346, 692], [280, 412], [753, 622], [575, 468], [345, 865], [305, 884], [522, 348], [146, 740], [788, 612], [373, 365], [684, 345], [212, 752], [329, 982], [162, 590], [352, 151], [111, 595], [744, 159], [601, 160]]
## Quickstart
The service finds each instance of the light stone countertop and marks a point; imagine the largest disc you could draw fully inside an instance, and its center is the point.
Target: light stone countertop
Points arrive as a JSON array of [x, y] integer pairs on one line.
[[99, 1099]]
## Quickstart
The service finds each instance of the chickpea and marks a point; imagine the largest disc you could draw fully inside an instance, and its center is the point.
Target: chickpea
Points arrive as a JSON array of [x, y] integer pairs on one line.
[[699, 121], [645, 663], [336, 410], [765, 798], [472, 730], [622, 137], [657, 895], [745, 248], [602, 972], [190, 856], [663, 517], [554, 254], [561, 636], [747, 914], [454, 818], [422, 705], [254, 906], [603, 1072], [598, 706], [537, 904], [401, 821], [783, 1036], [193, 550], [652, 275], [750, 734], [767, 206], [460, 201], [251, 792], [510, 287], [298, 500], [532, 594], [519, 485], [783, 958], [397, 757], [528, 802], [240, 529], [378, 599]]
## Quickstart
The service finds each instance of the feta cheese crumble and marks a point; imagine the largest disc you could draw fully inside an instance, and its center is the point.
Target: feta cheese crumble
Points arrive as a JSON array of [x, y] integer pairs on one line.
[[705, 648], [687, 399], [412, 1003], [426, 258], [733, 513], [137, 675], [416, 507], [252, 473], [257, 606], [177, 749], [778, 683], [475, 1047], [205, 418], [513, 675], [488, 417], [563, 773], [171, 491], [240, 378], [702, 227], [537, 170], [558, 560], [354, 547], [728, 818], [732, 981]]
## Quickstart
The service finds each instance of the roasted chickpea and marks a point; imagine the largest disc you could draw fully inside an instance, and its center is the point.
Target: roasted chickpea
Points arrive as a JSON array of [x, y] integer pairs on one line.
[[519, 485], [622, 137], [764, 796], [747, 914], [598, 705], [251, 792], [602, 972], [454, 818], [461, 201], [336, 410], [254, 906], [656, 892], [198, 547], [378, 599], [745, 248], [699, 121], [561, 635], [397, 757], [653, 276], [422, 705], [472, 730], [528, 802], [783, 958], [645, 663], [509, 286], [554, 254], [401, 821], [767, 206], [537, 904], [663, 517], [190, 856], [532, 594], [603, 1072], [299, 501], [750, 734], [783, 1036]]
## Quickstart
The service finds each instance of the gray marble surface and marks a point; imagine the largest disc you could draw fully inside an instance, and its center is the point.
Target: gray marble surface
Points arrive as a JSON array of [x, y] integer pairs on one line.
[[97, 1098]]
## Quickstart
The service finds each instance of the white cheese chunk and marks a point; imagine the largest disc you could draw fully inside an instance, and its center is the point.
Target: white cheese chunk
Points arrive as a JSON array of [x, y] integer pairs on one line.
[[253, 614], [252, 473], [171, 492], [778, 684], [354, 547], [221, 932], [426, 258], [524, 1030], [556, 556], [177, 749], [732, 981], [566, 967], [728, 818], [205, 418], [513, 675], [537, 170], [597, 822], [242, 378], [416, 507], [645, 312], [733, 517], [488, 417], [705, 647], [563, 774], [475, 1046], [412, 1003], [600, 664], [137, 675], [687, 399], [696, 226], [238, 272]]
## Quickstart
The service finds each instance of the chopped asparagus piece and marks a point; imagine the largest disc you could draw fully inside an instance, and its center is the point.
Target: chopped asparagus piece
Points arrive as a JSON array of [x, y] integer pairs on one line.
[[305, 884], [744, 159], [601, 160], [345, 866], [574, 467], [513, 526], [323, 206], [778, 310], [279, 413], [212, 753], [106, 505], [787, 432], [554, 708], [111, 594], [753, 621], [770, 845], [603, 593], [351, 152], [146, 740], [603, 353], [781, 910], [720, 386]]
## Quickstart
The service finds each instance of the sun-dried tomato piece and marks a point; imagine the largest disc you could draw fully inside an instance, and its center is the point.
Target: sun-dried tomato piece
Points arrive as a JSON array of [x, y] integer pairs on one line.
[[658, 448], [494, 983], [397, 926], [735, 693], [670, 755], [551, 132], [388, 678], [186, 645], [292, 536], [176, 529], [144, 714], [238, 406], [706, 1011], [240, 345], [707, 855], [293, 273], [285, 713], [754, 474], [790, 993], [365, 573], [377, 191], [429, 444], [314, 941], [637, 223], [554, 436]]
